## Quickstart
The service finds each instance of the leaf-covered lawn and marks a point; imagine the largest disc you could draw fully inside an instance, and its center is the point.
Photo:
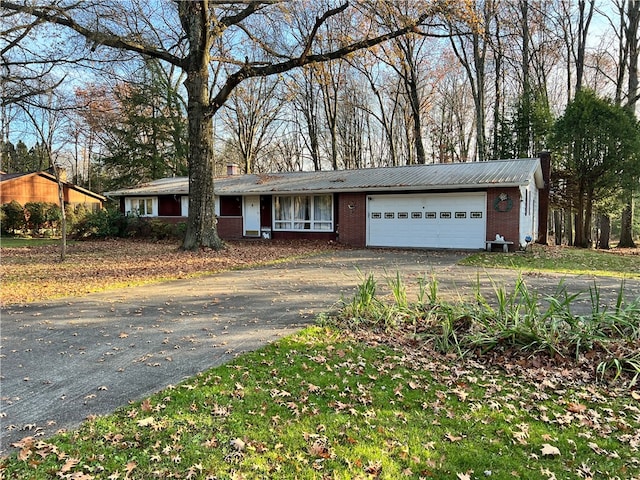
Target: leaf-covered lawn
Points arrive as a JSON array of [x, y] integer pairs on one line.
[[323, 404], [31, 274]]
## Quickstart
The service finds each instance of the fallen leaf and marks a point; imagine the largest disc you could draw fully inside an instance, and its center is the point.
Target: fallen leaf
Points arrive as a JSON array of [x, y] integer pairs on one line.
[[69, 464], [549, 450], [237, 444], [576, 408], [146, 422]]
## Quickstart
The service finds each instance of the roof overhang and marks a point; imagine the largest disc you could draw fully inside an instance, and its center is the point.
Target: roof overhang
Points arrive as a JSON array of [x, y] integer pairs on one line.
[[432, 177]]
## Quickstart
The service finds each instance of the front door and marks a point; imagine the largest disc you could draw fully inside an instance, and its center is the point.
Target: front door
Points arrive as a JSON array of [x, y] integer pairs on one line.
[[251, 216]]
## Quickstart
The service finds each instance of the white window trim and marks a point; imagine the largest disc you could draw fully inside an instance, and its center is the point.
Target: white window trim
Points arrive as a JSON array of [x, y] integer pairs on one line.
[[312, 221], [129, 208]]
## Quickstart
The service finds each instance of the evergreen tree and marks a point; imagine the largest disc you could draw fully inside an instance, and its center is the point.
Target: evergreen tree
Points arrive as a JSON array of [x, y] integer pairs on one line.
[[150, 140], [598, 146]]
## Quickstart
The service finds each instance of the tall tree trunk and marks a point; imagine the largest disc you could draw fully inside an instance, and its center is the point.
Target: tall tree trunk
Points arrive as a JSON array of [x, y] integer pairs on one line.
[[557, 226], [568, 228], [201, 225], [63, 216], [631, 34], [524, 133], [605, 232], [626, 223], [421, 156], [587, 220], [584, 21], [580, 238], [543, 204]]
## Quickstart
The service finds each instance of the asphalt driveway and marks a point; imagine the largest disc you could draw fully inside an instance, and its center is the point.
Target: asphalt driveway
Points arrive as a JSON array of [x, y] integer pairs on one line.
[[63, 361]]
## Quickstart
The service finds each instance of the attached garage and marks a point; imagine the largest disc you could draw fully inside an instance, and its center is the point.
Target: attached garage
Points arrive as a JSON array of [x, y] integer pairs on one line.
[[444, 220]]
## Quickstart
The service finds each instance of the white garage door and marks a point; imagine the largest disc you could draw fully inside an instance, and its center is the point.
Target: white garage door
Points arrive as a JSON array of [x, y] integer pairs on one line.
[[446, 220]]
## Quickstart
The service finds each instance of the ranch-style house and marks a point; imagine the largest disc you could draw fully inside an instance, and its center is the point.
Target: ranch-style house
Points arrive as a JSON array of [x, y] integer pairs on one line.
[[450, 205]]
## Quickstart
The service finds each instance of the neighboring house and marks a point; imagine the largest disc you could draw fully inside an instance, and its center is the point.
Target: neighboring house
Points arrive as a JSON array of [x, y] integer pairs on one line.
[[455, 205], [43, 187]]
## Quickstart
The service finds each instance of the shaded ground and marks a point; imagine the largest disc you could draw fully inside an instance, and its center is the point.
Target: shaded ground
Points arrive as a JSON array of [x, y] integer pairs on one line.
[[65, 360]]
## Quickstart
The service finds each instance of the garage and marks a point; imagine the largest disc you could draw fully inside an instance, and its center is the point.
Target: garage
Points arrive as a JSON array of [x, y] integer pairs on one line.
[[434, 220]]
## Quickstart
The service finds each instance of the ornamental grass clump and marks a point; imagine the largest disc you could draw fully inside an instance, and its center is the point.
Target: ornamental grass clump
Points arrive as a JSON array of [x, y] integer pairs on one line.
[[517, 320]]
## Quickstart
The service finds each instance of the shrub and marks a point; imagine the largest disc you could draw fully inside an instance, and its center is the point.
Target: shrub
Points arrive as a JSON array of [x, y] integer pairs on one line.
[[13, 217], [36, 215], [105, 223], [139, 227]]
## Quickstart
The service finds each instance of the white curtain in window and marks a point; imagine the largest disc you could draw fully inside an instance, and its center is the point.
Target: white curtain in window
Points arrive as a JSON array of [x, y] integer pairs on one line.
[[322, 208], [301, 213], [282, 212]]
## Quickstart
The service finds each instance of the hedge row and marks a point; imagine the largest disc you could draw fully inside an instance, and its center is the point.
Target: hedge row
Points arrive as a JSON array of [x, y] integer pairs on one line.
[[42, 219]]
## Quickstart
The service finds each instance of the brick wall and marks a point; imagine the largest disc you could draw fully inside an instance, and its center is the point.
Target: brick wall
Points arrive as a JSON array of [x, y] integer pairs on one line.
[[352, 219], [230, 228], [501, 220], [302, 235]]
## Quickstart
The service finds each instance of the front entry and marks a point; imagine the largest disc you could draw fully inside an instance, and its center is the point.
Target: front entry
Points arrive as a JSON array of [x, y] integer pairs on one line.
[[251, 216]]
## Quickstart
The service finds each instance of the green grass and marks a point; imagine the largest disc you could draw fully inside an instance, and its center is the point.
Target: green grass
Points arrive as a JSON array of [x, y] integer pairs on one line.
[[318, 405], [17, 242], [562, 260]]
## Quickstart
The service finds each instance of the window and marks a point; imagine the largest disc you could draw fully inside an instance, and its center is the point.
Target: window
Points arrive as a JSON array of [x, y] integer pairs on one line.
[[403, 215], [389, 215], [416, 214], [429, 215], [476, 214], [461, 214], [303, 212], [376, 215], [445, 214], [143, 207]]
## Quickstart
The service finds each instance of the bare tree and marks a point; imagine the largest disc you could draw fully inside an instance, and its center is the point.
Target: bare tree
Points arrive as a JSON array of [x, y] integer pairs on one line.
[[306, 105], [470, 42], [46, 115], [252, 114], [386, 93], [574, 24], [331, 77]]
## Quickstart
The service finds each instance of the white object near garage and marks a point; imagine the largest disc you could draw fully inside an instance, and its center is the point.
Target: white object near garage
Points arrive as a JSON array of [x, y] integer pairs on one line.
[[444, 220]]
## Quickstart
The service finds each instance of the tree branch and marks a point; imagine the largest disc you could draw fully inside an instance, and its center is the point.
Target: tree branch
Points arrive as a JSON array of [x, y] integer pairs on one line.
[[248, 71], [316, 27], [58, 16]]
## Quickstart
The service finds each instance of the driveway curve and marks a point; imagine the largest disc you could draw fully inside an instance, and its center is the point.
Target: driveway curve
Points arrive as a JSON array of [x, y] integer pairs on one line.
[[66, 360]]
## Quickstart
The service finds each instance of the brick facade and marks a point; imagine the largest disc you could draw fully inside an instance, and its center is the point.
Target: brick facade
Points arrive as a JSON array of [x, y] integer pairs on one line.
[[503, 217], [352, 219], [230, 228]]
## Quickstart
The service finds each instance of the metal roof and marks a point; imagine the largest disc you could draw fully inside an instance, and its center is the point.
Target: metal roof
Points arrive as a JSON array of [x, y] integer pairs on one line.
[[437, 176]]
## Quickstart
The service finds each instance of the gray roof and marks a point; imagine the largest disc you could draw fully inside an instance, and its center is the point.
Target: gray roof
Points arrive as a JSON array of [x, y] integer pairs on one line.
[[437, 176]]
